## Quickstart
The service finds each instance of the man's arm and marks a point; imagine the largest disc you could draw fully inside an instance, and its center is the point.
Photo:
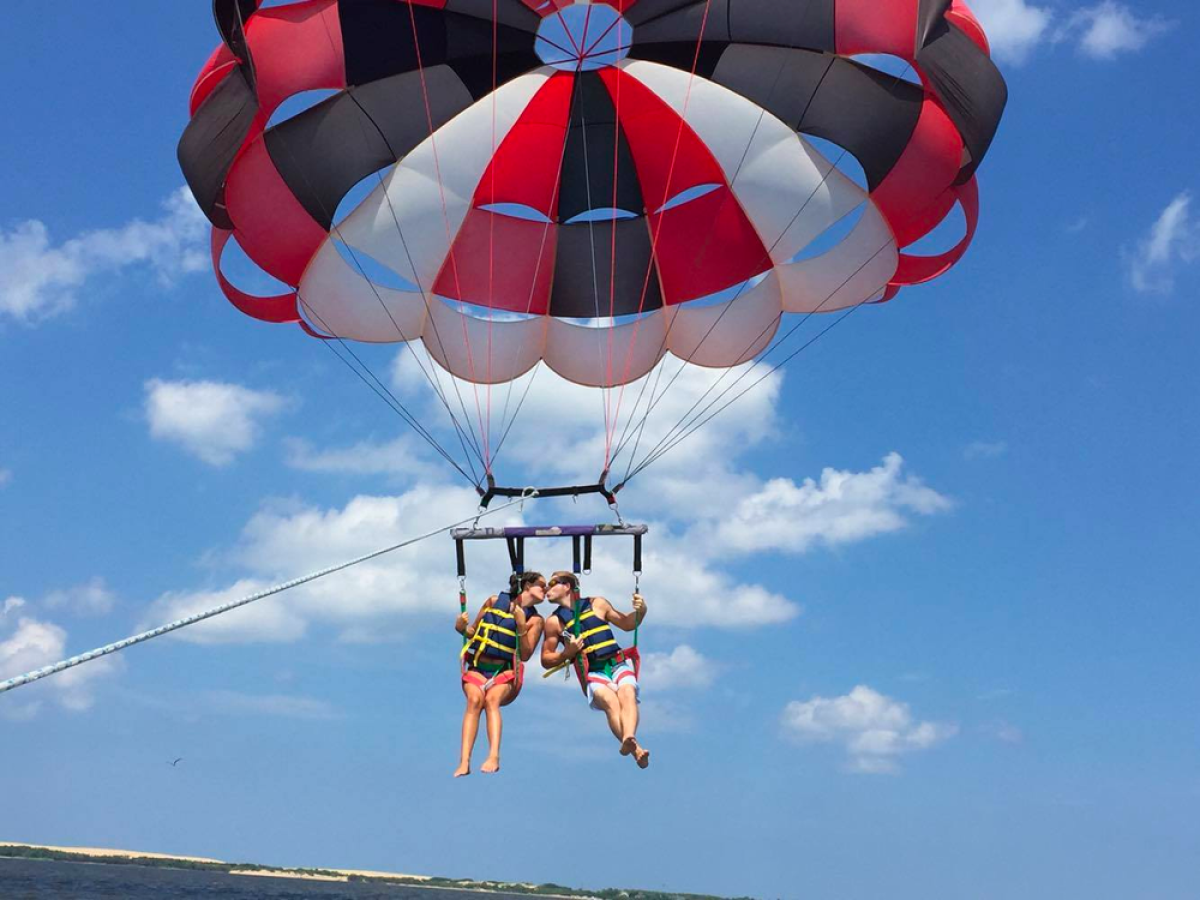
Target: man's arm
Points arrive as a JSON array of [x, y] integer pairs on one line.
[[625, 621], [529, 640], [551, 655]]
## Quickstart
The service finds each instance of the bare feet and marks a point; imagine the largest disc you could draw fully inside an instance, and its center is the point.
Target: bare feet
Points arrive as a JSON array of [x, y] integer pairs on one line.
[[464, 769], [490, 765], [642, 756], [628, 745]]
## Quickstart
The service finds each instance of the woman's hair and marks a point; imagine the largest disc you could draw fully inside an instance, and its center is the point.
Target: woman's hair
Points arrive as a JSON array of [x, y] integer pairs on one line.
[[518, 583], [565, 578]]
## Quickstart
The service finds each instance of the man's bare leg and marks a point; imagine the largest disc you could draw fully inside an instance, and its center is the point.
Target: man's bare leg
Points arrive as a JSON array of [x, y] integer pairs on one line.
[[495, 726], [611, 707], [627, 698], [470, 727]]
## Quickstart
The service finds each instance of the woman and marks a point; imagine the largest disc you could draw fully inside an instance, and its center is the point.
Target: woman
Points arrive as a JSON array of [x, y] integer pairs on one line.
[[505, 633]]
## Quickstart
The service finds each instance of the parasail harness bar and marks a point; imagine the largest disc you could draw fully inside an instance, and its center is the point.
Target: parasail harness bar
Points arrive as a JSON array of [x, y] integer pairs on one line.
[[581, 542]]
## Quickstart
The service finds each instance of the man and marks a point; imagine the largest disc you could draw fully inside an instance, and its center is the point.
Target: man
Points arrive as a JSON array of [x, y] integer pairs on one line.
[[607, 672], [504, 634]]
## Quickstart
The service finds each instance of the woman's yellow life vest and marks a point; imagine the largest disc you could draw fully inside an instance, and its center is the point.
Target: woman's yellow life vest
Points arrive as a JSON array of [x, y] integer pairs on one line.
[[495, 637]]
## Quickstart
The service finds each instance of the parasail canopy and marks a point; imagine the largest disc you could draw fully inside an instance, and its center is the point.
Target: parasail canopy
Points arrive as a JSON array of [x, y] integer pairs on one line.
[[589, 185]]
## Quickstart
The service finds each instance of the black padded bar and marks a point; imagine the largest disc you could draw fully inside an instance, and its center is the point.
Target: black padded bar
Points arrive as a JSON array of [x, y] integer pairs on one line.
[[485, 497], [587, 553], [576, 565], [637, 553], [461, 554]]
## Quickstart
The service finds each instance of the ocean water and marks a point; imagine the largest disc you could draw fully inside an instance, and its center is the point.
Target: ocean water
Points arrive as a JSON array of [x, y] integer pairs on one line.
[[31, 879]]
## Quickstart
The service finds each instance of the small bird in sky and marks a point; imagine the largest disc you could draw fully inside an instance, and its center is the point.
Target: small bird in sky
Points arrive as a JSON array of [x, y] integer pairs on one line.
[[177, 761]]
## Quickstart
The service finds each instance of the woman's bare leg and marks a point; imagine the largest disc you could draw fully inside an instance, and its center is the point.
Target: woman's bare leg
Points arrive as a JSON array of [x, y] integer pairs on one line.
[[470, 727], [495, 726]]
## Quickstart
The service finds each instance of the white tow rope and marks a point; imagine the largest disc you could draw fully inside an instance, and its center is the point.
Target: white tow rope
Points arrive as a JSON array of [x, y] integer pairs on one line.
[[226, 607]]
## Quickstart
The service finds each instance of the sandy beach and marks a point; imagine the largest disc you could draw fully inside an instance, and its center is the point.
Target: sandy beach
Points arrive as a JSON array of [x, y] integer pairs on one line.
[[340, 874], [101, 852]]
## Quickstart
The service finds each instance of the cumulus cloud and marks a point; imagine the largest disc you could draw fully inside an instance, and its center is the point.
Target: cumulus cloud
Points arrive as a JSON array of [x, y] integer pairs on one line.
[[985, 449], [92, 598], [402, 458], [1109, 29], [413, 585], [841, 508], [875, 730], [1173, 242], [28, 643], [1101, 31], [1014, 27], [686, 498], [212, 420], [40, 278], [1003, 731], [683, 667]]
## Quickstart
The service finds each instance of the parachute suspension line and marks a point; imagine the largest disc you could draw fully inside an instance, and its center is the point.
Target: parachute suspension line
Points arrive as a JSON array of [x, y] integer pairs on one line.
[[612, 264], [700, 424], [708, 240], [587, 180], [492, 229], [743, 287], [73, 661], [386, 395], [329, 331], [702, 418], [506, 428], [437, 165], [517, 411], [657, 229], [430, 374]]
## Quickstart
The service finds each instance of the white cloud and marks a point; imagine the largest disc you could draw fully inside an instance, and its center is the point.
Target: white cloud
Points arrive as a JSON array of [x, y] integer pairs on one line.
[[286, 706], [874, 729], [212, 420], [1102, 31], [1014, 27], [404, 458], [558, 439], [985, 449], [1110, 28], [1078, 225], [683, 667], [90, 598], [39, 278], [1173, 241], [26, 644], [1003, 731], [415, 585], [843, 507]]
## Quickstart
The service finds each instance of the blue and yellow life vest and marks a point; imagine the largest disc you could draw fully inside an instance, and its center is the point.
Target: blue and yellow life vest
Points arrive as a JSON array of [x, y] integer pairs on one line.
[[496, 634], [599, 644]]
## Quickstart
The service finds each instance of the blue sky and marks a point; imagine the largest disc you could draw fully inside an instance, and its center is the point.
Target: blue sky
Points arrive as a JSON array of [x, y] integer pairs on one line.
[[960, 661]]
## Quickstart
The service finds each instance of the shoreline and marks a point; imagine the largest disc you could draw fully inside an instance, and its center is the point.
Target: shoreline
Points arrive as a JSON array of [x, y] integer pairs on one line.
[[112, 856]]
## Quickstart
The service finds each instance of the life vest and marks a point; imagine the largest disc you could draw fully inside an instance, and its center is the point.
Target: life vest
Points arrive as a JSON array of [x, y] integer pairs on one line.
[[599, 644], [495, 637]]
